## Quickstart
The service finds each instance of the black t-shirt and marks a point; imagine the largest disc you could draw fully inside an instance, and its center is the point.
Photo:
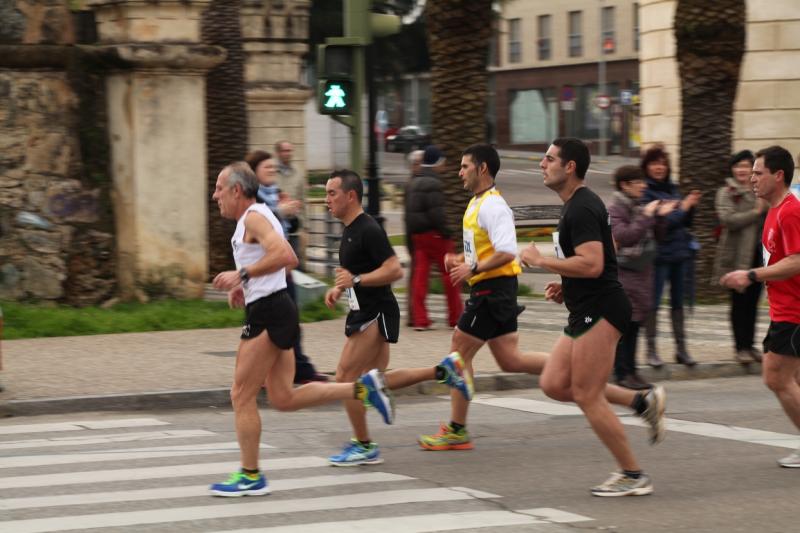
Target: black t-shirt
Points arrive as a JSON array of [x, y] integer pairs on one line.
[[364, 248], [584, 219]]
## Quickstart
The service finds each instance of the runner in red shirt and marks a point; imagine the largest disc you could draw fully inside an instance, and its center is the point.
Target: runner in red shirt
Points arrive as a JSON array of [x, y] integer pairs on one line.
[[771, 179]]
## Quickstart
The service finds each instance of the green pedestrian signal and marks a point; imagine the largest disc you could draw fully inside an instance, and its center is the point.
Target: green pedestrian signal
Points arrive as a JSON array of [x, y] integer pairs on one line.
[[335, 97]]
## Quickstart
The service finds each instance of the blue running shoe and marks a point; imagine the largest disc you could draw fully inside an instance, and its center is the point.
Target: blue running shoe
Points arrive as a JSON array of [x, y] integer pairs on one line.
[[456, 375], [378, 396], [355, 453], [240, 484]]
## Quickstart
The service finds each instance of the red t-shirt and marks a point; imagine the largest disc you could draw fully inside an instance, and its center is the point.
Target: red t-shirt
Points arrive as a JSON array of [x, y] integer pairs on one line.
[[781, 238]]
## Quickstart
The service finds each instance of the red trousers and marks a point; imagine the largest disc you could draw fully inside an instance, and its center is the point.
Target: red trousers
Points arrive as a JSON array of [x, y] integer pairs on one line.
[[429, 248]]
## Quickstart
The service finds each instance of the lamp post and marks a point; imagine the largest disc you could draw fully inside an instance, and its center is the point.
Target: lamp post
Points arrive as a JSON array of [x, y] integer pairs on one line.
[[601, 86]]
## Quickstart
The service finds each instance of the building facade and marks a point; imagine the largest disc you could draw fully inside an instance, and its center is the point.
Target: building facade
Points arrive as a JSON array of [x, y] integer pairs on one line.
[[566, 68]]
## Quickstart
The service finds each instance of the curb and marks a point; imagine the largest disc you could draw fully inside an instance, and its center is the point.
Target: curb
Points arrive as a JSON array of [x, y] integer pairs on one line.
[[191, 399]]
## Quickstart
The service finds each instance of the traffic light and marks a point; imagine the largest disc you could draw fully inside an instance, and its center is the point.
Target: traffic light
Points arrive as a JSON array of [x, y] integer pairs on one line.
[[335, 97], [335, 90]]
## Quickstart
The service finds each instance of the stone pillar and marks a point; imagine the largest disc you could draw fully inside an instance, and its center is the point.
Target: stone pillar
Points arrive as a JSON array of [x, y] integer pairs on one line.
[[275, 40], [659, 81], [156, 110], [55, 241]]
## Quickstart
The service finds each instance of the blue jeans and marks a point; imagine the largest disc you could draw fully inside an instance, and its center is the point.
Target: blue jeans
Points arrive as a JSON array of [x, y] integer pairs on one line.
[[675, 273]]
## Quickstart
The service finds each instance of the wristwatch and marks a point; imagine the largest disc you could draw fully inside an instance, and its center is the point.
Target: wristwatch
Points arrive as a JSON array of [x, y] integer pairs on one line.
[[356, 280], [474, 267], [243, 275], [751, 275]]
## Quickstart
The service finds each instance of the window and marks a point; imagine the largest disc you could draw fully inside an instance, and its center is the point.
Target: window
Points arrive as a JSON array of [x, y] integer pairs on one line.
[[607, 25], [636, 27], [575, 37], [544, 25], [514, 42]]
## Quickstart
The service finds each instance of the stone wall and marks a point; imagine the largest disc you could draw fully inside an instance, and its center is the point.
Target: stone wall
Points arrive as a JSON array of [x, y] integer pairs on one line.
[[767, 106], [56, 238]]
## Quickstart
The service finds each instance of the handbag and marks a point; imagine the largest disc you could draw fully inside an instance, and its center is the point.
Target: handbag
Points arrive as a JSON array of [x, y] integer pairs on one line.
[[639, 256]]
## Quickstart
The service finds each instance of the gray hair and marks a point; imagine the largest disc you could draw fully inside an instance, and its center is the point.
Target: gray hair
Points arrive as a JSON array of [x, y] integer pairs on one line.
[[240, 173], [415, 157]]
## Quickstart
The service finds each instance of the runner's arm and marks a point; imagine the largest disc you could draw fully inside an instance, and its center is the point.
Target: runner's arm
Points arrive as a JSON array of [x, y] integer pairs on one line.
[[279, 253], [787, 267], [389, 272], [586, 263]]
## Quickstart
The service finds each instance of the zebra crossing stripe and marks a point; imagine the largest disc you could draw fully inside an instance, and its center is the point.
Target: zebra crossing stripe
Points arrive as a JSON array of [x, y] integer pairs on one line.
[[103, 439], [703, 429], [251, 508], [81, 425], [155, 472], [192, 491], [121, 455], [426, 523]]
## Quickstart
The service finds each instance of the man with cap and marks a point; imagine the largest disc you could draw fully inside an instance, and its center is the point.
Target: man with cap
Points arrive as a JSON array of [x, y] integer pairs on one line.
[[430, 239]]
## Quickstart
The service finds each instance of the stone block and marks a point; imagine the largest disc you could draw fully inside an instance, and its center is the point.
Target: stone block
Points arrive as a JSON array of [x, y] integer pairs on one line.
[[788, 94], [756, 95], [770, 65], [657, 44], [659, 73], [789, 34], [658, 15], [771, 10], [131, 21], [762, 36], [767, 124]]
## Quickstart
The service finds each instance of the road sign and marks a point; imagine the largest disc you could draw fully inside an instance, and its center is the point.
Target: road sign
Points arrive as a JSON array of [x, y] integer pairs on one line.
[[626, 97], [602, 101]]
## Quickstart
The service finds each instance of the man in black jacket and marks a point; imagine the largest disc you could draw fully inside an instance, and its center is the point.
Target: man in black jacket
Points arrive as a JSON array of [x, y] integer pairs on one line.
[[430, 239]]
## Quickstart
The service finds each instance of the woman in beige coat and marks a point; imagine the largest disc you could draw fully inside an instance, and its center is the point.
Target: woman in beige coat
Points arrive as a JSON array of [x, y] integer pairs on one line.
[[741, 217]]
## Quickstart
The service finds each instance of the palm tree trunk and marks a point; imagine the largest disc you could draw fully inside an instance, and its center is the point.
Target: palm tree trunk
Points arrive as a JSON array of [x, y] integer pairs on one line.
[[458, 40], [710, 40], [226, 118]]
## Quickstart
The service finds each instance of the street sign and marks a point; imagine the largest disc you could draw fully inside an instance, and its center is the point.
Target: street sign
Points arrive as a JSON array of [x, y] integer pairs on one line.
[[567, 105], [602, 101], [626, 97]]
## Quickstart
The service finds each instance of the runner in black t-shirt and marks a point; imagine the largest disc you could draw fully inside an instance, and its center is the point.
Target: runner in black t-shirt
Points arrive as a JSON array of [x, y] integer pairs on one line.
[[369, 266], [599, 310]]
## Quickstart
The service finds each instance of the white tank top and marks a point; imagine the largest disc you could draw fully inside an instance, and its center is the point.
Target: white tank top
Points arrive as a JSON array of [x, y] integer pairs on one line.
[[245, 254]]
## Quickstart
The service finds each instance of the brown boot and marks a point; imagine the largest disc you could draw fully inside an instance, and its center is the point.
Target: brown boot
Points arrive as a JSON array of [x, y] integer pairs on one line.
[[678, 329]]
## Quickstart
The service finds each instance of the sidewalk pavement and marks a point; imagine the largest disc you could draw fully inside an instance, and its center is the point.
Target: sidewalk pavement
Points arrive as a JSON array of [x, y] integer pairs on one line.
[[182, 369]]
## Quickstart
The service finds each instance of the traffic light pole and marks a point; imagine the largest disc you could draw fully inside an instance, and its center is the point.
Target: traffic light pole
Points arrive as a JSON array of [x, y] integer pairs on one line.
[[373, 181]]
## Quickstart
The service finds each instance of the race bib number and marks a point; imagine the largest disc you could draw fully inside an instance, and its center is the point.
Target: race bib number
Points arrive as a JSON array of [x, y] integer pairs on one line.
[[470, 254], [557, 246], [352, 300]]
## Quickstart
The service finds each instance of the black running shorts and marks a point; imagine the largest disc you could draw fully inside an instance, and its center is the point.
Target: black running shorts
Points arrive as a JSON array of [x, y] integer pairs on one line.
[[783, 338], [275, 313], [387, 318], [615, 308], [491, 310]]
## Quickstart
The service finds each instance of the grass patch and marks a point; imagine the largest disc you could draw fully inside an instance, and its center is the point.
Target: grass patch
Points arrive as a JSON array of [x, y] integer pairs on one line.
[[24, 320], [397, 240]]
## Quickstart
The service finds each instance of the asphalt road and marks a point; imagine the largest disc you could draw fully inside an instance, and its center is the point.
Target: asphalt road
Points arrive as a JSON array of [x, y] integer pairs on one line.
[[531, 469]]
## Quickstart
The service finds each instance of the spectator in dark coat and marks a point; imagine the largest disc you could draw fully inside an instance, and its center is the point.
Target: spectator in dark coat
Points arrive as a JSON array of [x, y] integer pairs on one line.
[[632, 226], [674, 252], [741, 217], [425, 220]]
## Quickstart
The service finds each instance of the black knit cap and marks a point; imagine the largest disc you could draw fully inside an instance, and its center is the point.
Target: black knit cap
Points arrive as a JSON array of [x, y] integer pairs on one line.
[[741, 156]]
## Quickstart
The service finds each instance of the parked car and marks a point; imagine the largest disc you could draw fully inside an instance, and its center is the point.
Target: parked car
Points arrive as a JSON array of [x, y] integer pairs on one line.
[[407, 139]]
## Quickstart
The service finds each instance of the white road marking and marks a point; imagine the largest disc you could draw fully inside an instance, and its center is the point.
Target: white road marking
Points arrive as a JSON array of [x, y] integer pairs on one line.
[[121, 455], [103, 439], [192, 491], [703, 429], [427, 523], [154, 472], [230, 510], [81, 425]]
